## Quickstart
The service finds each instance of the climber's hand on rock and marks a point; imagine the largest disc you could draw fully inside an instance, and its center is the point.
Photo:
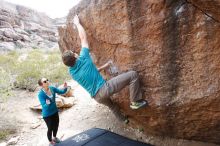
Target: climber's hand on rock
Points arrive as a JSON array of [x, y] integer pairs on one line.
[[76, 20], [109, 62]]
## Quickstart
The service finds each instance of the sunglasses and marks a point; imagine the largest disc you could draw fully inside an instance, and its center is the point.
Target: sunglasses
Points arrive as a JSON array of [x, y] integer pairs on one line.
[[45, 81]]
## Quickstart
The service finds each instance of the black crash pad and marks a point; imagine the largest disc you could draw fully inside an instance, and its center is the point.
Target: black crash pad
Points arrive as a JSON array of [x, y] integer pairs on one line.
[[99, 137]]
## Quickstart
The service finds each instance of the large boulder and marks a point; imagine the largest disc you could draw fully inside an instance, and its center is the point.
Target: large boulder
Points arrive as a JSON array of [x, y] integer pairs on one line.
[[173, 45], [10, 33]]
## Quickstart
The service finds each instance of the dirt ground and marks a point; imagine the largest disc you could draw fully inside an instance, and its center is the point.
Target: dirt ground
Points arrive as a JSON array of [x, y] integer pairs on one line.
[[85, 114]]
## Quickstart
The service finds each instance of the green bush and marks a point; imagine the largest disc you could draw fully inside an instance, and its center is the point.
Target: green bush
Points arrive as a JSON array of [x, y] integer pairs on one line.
[[8, 61], [4, 133], [24, 74], [7, 64], [7, 127]]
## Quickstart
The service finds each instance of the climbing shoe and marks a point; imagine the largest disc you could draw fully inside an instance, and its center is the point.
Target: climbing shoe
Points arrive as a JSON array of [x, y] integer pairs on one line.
[[138, 104]]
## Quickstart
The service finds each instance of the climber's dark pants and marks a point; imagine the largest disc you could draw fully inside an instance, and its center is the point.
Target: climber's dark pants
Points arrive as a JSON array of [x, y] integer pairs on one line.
[[116, 84]]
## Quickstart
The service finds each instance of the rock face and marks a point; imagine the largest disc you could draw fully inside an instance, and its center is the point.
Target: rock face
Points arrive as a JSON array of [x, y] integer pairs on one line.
[[174, 46], [21, 27], [209, 7]]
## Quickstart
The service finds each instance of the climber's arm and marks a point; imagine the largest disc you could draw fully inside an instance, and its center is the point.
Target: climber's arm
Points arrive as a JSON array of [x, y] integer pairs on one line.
[[106, 65], [82, 32]]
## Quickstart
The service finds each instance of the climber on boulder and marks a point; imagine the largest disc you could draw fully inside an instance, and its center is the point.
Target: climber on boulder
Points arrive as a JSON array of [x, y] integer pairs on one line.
[[83, 70]]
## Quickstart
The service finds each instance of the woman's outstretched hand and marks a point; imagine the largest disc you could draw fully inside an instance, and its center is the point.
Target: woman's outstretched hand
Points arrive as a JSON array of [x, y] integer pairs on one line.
[[65, 85]]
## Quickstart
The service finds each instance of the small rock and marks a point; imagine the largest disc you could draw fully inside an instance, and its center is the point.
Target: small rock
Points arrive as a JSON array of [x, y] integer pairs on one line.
[[13, 140], [35, 125]]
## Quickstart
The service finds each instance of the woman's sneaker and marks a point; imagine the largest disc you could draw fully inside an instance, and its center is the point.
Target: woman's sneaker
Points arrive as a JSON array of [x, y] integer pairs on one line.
[[52, 143], [56, 140], [138, 104]]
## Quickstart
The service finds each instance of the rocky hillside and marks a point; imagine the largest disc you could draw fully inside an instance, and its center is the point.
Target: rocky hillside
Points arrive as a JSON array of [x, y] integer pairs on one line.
[[21, 27], [175, 47]]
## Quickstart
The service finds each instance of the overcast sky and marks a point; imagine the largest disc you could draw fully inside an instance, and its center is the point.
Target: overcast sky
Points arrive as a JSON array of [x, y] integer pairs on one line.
[[53, 8]]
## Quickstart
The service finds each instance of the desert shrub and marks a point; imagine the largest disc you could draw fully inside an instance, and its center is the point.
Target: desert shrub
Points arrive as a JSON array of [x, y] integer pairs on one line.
[[6, 132], [24, 74]]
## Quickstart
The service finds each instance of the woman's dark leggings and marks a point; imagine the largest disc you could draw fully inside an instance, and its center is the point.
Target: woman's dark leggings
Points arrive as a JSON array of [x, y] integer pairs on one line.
[[52, 125]]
